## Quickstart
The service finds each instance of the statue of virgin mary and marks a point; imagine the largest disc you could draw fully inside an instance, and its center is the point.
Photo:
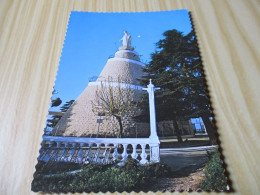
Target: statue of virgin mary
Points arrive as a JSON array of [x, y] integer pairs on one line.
[[126, 40]]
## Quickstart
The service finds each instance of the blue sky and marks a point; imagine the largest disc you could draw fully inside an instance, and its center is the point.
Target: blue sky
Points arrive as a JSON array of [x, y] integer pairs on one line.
[[92, 38]]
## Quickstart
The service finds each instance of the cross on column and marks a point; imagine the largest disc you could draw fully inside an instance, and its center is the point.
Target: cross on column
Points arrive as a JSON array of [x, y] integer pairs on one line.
[[153, 130]]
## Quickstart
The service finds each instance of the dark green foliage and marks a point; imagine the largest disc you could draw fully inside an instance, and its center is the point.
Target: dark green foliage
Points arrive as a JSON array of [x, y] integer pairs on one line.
[[155, 170], [66, 106], [176, 68], [53, 167], [55, 118], [215, 178], [55, 102], [95, 178]]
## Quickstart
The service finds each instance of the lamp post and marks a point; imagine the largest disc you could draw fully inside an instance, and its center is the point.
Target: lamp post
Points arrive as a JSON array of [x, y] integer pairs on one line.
[[154, 145]]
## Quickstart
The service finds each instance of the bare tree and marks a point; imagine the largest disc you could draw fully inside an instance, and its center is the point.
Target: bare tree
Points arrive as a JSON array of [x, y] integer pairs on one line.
[[116, 99]]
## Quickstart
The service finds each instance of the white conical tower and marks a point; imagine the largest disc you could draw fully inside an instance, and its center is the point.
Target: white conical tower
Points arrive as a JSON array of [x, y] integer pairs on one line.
[[80, 120]]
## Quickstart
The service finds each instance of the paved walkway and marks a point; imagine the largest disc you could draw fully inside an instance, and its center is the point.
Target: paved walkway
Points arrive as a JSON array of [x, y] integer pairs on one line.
[[185, 160]]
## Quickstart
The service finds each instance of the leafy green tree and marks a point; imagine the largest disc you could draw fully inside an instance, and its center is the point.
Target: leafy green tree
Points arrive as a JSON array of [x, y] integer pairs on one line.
[[55, 102], [115, 100], [66, 106], [56, 117], [176, 68]]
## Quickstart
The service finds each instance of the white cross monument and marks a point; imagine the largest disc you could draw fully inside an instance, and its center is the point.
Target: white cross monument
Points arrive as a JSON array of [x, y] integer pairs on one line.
[[154, 140]]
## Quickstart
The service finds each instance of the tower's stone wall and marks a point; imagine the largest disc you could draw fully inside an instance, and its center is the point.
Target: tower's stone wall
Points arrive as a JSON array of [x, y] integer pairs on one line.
[[80, 120], [127, 54], [127, 71]]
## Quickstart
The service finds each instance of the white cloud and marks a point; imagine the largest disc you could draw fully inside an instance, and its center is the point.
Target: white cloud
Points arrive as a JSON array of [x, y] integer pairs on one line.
[[138, 36]]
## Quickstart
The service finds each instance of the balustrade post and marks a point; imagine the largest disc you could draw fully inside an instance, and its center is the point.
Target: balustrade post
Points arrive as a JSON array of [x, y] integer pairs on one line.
[[80, 153], [134, 154], [115, 153], [71, 153], [64, 152], [48, 152], [124, 154], [106, 154], [96, 156], [56, 152], [88, 154], [50, 144], [143, 155], [60, 155]]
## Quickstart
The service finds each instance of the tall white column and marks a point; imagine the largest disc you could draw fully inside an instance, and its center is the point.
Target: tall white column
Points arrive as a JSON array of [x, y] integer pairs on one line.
[[154, 140], [153, 129]]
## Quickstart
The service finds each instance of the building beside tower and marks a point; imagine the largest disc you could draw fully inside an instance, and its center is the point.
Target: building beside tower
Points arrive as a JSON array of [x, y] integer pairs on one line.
[[80, 120]]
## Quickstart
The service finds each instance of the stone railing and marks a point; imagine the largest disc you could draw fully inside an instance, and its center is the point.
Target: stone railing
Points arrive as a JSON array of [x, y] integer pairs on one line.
[[98, 150]]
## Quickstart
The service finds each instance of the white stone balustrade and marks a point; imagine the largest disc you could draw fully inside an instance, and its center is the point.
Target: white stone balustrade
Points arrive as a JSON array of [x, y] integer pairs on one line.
[[104, 150], [97, 150]]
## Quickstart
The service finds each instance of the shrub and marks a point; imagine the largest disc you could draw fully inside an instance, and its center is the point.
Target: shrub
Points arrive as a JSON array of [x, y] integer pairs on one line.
[[95, 178], [215, 178], [56, 167]]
